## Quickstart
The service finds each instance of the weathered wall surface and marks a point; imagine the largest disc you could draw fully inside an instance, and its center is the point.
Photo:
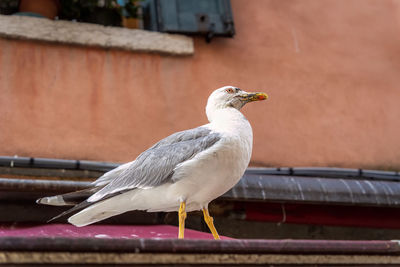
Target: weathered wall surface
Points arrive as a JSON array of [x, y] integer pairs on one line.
[[331, 68]]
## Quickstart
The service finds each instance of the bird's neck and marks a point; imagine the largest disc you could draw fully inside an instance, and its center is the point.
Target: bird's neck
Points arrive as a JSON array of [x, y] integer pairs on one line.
[[226, 118]]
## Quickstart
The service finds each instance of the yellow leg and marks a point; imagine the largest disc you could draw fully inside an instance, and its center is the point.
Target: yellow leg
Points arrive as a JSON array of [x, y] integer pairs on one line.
[[182, 217], [210, 222]]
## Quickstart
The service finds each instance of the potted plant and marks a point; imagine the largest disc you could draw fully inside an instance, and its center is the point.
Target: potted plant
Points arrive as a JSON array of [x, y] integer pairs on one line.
[[130, 14], [104, 12], [39, 8]]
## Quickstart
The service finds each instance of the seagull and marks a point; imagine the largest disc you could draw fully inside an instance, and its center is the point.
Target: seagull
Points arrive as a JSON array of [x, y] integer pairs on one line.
[[183, 172]]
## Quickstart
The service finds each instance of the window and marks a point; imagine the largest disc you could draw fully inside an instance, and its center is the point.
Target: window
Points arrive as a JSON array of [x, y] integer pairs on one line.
[[207, 17]]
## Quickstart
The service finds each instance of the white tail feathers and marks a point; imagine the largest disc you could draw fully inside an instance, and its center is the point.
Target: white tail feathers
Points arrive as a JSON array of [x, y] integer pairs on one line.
[[100, 211], [87, 217], [137, 199]]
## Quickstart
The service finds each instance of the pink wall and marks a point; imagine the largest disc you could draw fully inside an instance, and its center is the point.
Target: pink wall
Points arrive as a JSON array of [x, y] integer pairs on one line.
[[331, 68]]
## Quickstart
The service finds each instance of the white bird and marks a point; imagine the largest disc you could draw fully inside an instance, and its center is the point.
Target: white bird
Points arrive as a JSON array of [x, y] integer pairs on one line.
[[183, 172]]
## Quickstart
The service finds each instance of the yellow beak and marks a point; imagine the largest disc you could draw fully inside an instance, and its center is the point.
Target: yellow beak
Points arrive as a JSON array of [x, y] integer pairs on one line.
[[249, 97]]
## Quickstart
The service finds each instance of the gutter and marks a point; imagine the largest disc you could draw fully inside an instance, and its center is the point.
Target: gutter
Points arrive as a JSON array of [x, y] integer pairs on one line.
[[65, 164], [30, 162]]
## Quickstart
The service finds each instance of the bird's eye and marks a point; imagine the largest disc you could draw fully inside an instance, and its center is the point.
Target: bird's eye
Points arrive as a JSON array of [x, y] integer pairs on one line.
[[229, 90]]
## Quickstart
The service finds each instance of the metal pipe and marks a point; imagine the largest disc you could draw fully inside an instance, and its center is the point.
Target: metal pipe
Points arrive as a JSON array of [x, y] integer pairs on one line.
[[344, 173]]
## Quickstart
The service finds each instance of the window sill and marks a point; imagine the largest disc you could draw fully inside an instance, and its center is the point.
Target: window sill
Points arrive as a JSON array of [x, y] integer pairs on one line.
[[86, 34]]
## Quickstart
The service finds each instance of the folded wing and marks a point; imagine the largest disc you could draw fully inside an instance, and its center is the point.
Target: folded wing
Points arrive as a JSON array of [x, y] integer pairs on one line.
[[156, 165]]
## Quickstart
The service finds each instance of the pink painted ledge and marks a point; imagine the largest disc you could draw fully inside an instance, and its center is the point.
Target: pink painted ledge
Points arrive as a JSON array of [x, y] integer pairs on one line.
[[100, 231]]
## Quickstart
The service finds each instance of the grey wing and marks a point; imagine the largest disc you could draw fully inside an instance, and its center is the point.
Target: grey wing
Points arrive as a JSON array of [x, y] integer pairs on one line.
[[156, 165], [174, 138], [111, 175], [186, 135]]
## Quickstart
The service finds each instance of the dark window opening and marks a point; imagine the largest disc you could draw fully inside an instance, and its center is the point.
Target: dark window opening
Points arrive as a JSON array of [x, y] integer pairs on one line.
[[206, 17], [116, 13]]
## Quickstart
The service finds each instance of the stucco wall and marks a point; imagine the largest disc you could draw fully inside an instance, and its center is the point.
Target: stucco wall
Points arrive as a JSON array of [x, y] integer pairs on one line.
[[331, 68]]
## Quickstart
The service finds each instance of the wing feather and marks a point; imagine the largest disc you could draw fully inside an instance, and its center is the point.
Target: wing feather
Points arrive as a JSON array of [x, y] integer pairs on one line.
[[156, 165], [111, 175]]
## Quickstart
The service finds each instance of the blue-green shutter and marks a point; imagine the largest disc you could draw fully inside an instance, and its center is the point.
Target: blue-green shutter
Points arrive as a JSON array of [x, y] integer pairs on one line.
[[207, 17]]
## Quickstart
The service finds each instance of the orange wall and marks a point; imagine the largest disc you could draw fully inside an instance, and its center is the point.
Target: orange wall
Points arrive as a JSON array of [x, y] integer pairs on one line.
[[331, 68]]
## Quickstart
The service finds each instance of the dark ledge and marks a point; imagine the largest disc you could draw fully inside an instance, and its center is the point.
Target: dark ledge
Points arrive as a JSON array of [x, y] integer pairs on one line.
[[199, 246]]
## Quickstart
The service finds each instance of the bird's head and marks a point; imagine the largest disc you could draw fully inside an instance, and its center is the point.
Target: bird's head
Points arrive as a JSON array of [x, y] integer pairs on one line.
[[231, 97]]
